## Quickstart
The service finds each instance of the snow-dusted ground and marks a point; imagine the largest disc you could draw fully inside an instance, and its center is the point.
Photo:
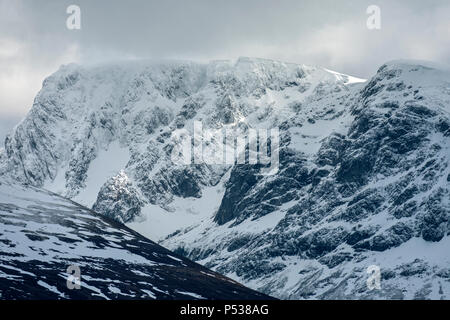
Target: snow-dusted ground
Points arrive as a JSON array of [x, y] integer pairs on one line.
[[43, 234], [158, 223], [108, 163]]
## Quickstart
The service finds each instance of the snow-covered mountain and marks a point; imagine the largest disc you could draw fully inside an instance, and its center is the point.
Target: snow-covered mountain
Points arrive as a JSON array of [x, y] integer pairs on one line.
[[44, 238], [96, 129], [363, 173]]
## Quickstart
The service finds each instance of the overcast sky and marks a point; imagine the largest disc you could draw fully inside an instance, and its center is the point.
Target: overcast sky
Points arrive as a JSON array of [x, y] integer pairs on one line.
[[34, 40]]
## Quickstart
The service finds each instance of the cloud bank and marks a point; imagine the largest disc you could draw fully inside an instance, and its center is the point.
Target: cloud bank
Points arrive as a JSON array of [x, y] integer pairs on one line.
[[34, 39]]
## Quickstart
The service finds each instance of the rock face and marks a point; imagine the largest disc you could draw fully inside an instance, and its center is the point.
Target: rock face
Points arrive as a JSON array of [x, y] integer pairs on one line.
[[45, 237], [118, 199], [363, 175]]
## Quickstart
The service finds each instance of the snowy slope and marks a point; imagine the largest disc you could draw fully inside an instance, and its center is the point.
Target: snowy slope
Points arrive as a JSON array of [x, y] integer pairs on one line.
[[43, 234], [88, 125], [363, 179], [376, 193]]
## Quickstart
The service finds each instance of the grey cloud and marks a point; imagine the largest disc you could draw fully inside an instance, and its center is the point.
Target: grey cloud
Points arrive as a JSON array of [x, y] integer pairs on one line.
[[34, 39]]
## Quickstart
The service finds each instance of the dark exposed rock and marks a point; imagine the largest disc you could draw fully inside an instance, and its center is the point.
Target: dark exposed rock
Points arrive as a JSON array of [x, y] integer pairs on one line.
[[118, 199], [392, 237]]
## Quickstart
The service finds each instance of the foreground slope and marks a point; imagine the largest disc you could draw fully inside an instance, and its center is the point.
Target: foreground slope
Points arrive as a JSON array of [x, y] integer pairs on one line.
[[42, 234]]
